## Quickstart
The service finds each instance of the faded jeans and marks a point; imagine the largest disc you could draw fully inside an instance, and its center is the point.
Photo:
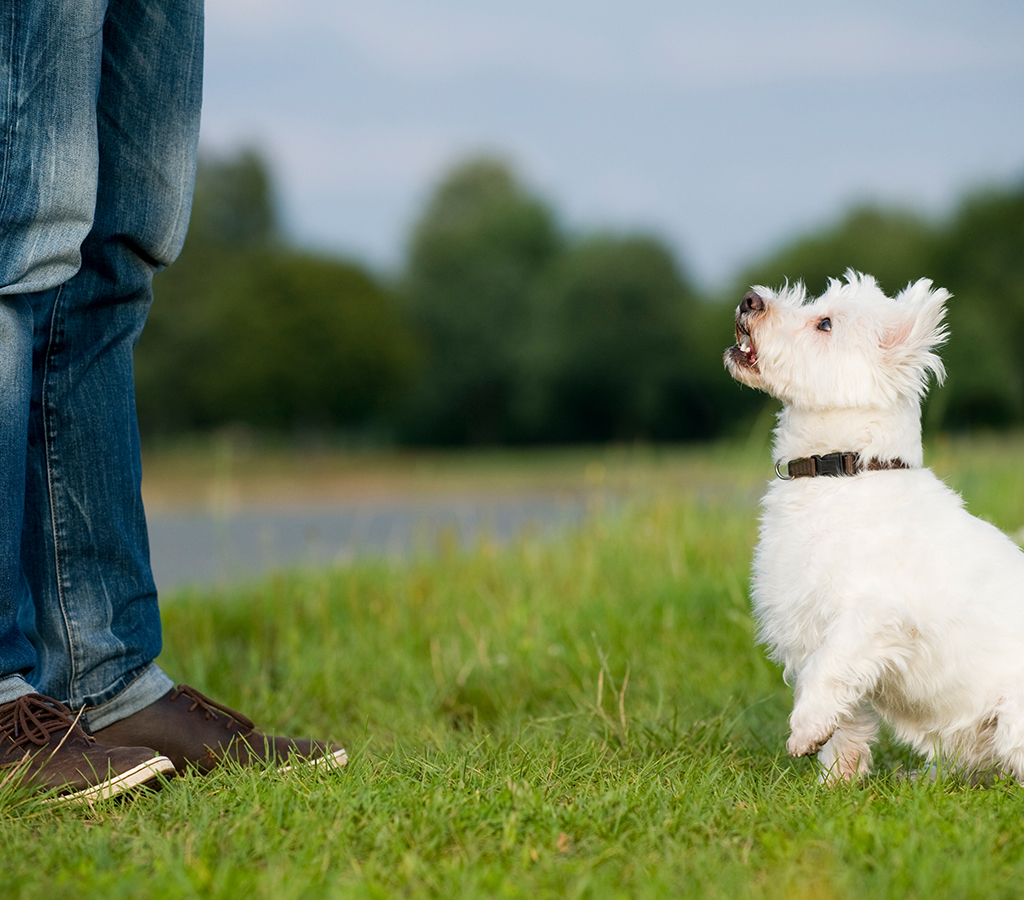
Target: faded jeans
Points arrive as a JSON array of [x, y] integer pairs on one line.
[[99, 127]]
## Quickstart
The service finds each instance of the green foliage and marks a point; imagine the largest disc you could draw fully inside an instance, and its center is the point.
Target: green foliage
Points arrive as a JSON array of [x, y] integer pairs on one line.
[[980, 258], [234, 207], [529, 335], [895, 246], [608, 354], [246, 330], [475, 257], [503, 329]]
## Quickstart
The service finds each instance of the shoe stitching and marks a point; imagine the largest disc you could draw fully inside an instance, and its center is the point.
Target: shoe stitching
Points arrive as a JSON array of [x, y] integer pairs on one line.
[[211, 708], [292, 754]]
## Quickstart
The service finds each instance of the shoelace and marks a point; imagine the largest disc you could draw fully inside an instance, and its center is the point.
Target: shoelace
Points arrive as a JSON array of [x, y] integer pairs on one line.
[[34, 719], [210, 707]]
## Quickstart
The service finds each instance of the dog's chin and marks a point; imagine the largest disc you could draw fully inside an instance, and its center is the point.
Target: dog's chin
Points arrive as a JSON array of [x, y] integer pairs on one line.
[[742, 365]]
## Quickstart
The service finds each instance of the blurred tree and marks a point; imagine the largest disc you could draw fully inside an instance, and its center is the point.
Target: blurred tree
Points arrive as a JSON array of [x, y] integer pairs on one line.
[[609, 355], [979, 257], [713, 403], [895, 246], [246, 330], [475, 257], [303, 342], [234, 207], [513, 333]]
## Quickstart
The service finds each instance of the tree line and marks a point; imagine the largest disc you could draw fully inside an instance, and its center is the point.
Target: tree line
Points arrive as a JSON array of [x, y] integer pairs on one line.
[[504, 327]]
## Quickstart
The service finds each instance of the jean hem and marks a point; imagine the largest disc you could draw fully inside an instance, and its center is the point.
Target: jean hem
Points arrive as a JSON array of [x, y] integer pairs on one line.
[[13, 687], [149, 687]]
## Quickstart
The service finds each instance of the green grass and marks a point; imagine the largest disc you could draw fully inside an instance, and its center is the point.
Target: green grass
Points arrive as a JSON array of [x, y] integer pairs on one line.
[[579, 717]]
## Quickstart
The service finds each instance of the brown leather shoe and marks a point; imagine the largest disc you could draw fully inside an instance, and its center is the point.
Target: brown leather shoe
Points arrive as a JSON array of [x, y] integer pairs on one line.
[[194, 731], [43, 746]]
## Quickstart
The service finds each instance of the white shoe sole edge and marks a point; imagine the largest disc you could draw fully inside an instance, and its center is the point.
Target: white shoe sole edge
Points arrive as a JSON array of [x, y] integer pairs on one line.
[[141, 774], [337, 759]]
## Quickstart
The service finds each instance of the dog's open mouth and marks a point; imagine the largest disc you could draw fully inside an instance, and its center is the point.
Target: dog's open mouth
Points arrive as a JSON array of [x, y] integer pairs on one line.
[[743, 352]]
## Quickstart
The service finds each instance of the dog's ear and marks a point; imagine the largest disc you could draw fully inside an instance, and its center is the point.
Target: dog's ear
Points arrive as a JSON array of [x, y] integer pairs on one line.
[[918, 330]]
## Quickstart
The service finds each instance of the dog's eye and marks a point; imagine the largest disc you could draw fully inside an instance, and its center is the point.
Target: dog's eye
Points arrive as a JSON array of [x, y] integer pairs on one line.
[[825, 325]]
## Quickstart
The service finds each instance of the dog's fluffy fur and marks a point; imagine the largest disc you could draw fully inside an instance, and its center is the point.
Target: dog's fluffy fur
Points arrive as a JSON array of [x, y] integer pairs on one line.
[[879, 593]]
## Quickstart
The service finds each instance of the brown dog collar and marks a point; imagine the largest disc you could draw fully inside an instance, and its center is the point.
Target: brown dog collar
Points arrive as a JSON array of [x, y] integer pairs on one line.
[[834, 464]]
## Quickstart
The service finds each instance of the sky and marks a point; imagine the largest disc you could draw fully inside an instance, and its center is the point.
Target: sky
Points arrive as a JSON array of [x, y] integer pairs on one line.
[[726, 129]]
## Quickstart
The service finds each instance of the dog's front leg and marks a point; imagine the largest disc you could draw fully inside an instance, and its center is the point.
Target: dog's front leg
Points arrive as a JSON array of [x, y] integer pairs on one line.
[[847, 753], [830, 690]]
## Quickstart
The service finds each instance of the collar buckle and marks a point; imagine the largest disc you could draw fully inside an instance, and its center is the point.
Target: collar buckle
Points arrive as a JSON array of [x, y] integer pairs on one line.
[[836, 464], [832, 465]]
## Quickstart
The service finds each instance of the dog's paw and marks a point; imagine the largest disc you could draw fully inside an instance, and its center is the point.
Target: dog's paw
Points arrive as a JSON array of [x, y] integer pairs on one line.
[[810, 727], [806, 743]]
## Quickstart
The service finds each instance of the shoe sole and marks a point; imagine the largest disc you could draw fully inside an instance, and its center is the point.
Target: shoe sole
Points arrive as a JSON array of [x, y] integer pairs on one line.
[[337, 759], [138, 776]]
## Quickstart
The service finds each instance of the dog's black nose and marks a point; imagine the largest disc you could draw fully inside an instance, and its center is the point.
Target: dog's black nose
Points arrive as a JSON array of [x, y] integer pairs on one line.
[[752, 302]]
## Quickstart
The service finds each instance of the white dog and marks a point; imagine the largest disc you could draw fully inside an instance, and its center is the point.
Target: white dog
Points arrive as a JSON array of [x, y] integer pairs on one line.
[[874, 587]]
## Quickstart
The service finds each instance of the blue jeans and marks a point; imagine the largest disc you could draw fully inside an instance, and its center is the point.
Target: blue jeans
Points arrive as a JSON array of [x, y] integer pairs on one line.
[[99, 129]]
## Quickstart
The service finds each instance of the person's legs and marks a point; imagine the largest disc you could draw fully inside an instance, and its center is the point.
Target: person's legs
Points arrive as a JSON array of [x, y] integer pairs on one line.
[[50, 64], [87, 601], [94, 619], [49, 69]]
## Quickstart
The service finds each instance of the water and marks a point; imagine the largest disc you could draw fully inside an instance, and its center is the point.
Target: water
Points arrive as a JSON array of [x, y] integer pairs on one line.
[[207, 549]]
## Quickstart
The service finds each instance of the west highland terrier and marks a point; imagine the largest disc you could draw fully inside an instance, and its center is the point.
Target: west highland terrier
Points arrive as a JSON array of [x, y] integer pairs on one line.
[[880, 594]]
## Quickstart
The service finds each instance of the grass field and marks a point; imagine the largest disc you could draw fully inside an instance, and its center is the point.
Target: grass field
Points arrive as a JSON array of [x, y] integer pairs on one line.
[[579, 717]]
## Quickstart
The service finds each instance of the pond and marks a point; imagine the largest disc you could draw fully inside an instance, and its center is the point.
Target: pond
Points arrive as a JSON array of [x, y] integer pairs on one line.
[[201, 548]]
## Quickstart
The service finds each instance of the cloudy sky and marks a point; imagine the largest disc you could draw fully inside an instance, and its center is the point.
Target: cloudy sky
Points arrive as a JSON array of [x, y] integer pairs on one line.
[[725, 128]]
